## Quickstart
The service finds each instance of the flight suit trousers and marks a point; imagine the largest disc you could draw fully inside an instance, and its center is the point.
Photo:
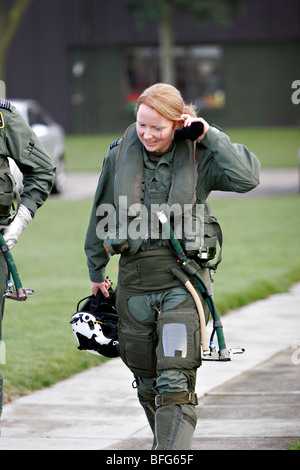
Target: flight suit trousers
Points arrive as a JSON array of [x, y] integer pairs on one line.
[[3, 287], [160, 342], [172, 424]]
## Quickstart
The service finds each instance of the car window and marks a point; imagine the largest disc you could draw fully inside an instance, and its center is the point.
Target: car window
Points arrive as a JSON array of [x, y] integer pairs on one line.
[[37, 115]]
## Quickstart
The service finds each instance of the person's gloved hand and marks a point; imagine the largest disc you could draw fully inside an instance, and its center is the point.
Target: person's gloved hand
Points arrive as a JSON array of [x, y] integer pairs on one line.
[[191, 132], [13, 231]]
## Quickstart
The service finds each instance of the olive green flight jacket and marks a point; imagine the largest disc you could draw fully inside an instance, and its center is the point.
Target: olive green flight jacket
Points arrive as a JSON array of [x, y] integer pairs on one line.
[[222, 166], [19, 142]]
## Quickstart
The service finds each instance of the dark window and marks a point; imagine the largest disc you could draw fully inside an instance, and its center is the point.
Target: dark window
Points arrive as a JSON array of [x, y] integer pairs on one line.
[[199, 74]]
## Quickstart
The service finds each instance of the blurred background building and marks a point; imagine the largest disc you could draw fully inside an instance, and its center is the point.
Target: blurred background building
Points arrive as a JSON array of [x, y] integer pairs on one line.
[[87, 60]]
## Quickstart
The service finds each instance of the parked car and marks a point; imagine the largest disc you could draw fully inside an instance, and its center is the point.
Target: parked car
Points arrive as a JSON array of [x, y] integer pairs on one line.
[[51, 135]]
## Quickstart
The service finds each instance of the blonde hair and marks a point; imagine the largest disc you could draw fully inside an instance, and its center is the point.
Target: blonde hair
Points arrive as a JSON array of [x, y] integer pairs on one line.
[[166, 100]]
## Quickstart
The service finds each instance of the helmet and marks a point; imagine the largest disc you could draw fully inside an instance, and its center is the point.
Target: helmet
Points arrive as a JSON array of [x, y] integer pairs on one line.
[[95, 325]]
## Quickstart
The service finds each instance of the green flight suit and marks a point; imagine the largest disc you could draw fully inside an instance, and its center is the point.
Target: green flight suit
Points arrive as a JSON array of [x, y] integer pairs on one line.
[[150, 298], [19, 142]]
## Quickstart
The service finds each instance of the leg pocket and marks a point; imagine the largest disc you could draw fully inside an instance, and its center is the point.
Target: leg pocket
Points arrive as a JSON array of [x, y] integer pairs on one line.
[[137, 334], [138, 351], [179, 340]]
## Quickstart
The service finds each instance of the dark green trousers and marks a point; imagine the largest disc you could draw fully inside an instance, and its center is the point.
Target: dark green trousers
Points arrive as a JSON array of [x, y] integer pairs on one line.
[[3, 287], [160, 342]]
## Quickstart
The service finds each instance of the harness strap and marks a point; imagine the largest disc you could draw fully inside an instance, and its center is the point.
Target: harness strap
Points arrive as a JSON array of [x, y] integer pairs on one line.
[[176, 398], [168, 398], [147, 396]]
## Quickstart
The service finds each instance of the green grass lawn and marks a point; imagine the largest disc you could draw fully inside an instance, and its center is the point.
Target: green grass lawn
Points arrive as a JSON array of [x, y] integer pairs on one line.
[[261, 256], [274, 146], [261, 253], [86, 152]]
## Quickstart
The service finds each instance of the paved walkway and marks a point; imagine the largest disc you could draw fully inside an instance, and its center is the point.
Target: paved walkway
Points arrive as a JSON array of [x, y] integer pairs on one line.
[[273, 182], [251, 402]]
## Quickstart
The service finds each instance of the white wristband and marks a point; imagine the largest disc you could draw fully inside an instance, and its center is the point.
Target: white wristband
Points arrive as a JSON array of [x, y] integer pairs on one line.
[[13, 231]]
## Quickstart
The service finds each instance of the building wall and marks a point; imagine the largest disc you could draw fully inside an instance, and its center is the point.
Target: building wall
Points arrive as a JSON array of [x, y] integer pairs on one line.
[[95, 92], [261, 60], [258, 81]]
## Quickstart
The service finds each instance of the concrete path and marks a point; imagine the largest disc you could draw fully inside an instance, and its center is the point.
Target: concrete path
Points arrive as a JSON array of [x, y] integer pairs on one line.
[[251, 402], [273, 182]]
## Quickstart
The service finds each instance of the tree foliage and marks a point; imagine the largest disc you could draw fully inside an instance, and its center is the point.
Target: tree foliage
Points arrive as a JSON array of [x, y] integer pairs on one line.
[[10, 19], [203, 12]]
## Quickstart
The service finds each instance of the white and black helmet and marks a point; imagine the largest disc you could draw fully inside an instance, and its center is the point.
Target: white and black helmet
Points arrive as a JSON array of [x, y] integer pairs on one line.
[[95, 325]]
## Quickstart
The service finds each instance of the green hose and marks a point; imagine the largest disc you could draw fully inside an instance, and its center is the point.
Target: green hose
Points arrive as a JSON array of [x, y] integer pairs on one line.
[[191, 268], [216, 318], [19, 293], [11, 264]]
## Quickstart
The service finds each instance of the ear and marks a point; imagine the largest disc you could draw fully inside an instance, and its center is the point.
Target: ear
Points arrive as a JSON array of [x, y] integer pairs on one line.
[[177, 125]]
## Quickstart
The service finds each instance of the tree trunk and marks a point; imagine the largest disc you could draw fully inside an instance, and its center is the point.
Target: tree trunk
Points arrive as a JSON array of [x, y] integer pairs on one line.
[[166, 46]]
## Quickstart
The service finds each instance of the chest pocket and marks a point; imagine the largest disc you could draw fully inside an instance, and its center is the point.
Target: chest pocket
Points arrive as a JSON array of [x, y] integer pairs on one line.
[[7, 186], [155, 200], [8, 190]]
